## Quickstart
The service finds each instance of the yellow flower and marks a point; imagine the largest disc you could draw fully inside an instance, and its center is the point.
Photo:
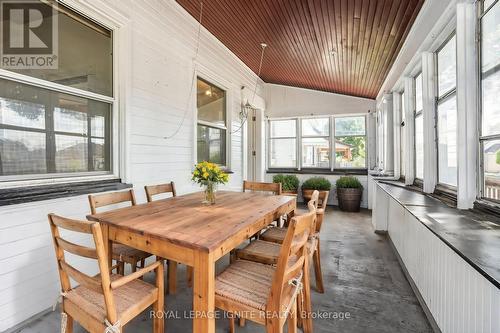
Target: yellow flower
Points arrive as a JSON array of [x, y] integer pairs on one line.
[[205, 175], [204, 169]]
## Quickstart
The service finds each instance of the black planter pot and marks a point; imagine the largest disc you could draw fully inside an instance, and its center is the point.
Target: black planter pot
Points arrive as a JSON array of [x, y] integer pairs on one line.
[[349, 199]]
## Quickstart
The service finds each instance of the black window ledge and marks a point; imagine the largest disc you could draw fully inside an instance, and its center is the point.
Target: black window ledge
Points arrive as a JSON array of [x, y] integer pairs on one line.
[[18, 195], [318, 171]]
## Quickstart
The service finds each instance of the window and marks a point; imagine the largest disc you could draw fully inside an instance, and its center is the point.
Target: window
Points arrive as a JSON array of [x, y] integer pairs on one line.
[[211, 129], [490, 90], [316, 143], [419, 128], [447, 113], [350, 142], [283, 143], [44, 131], [403, 136]]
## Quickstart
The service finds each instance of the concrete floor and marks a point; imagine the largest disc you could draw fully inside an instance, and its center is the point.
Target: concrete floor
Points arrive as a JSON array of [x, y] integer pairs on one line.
[[366, 290]]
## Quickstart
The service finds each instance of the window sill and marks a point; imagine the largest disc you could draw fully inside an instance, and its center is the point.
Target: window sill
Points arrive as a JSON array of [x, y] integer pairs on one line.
[[446, 194], [487, 207], [318, 171], [18, 195]]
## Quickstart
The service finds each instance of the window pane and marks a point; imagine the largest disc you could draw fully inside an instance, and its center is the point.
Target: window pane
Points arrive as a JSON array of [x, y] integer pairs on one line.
[[23, 114], [52, 116], [22, 152], [419, 147], [350, 152], [71, 153], [490, 39], [211, 145], [316, 127], [487, 4], [491, 162], [447, 67], [315, 153], [349, 126], [283, 128], [283, 153], [418, 93], [85, 51], [211, 103], [447, 141]]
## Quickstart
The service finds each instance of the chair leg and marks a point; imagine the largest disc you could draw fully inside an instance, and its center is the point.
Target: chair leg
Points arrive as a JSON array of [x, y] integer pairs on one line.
[[172, 277], [69, 325], [232, 256], [242, 322], [300, 310], [292, 319], [143, 263], [158, 306], [317, 270], [189, 276], [307, 307], [231, 323]]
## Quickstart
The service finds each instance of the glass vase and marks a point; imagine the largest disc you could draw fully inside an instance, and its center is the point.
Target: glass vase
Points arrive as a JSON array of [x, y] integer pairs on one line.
[[210, 189]]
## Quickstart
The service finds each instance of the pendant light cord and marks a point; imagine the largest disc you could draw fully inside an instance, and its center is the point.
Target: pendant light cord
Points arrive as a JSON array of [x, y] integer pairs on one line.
[[195, 60]]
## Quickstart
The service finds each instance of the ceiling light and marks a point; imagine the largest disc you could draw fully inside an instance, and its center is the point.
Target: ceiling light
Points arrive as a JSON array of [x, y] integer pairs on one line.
[[333, 52]]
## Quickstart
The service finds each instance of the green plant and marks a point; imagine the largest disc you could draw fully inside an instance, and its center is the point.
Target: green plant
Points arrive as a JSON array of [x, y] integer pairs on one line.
[[317, 183], [348, 182], [289, 183]]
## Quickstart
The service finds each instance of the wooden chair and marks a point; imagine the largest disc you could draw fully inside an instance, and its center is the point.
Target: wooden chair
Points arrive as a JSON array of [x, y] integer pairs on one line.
[[151, 191], [274, 188], [267, 294], [106, 302], [121, 253], [266, 250]]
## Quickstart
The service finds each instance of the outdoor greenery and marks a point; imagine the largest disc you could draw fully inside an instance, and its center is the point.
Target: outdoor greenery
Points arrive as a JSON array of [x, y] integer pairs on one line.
[[289, 183], [348, 182], [498, 157], [317, 183]]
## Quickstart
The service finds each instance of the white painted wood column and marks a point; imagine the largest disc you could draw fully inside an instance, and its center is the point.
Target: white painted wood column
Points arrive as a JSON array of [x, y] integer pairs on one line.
[[396, 110], [429, 119], [388, 114], [409, 101], [467, 105]]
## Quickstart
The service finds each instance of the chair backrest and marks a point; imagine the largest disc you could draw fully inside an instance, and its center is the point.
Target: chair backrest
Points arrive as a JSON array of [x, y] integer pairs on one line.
[[159, 189], [102, 284], [323, 199], [312, 205], [291, 262], [106, 199], [275, 188]]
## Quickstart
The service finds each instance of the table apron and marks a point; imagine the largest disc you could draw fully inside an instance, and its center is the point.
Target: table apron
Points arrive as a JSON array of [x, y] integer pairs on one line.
[[152, 245]]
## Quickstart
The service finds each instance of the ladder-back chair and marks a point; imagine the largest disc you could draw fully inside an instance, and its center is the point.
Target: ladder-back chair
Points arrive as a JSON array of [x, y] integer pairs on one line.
[[121, 253], [106, 302], [152, 190], [267, 294]]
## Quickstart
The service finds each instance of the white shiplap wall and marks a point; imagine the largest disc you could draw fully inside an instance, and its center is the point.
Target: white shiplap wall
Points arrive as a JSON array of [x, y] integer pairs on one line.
[[459, 298], [163, 40]]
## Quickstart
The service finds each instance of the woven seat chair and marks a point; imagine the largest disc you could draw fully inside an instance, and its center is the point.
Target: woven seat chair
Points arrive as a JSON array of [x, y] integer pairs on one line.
[[151, 191], [267, 294], [121, 253], [262, 250], [106, 302]]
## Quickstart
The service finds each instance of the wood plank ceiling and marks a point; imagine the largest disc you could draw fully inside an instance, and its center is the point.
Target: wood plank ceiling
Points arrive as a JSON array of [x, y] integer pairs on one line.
[[341, 46]]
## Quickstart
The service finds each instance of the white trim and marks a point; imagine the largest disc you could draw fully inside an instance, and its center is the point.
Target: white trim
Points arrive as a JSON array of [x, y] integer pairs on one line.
[[396, 101], [409, 83], [429, 121]]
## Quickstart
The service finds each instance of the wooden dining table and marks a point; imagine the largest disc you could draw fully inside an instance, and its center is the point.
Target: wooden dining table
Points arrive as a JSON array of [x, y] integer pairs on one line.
[[185, 230]]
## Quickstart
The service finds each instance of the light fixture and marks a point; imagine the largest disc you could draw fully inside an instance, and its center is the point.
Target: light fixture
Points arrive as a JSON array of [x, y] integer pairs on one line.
[[333, 52], [209, 92]]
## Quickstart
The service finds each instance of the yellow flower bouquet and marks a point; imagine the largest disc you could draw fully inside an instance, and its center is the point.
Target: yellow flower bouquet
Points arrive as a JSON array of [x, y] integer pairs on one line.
[[209, 175]]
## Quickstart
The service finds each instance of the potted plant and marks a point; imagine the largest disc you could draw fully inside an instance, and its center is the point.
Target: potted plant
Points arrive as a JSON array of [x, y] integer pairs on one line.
[[315, 183], [289, 183], [349, 193]]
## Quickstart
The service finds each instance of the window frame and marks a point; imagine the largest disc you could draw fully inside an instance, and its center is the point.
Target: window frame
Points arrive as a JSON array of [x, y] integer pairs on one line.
[[481, 184], [402, 137], [440, 100], [331, 137], [416, 113], [328, 137], [117, 137], [213, 82]]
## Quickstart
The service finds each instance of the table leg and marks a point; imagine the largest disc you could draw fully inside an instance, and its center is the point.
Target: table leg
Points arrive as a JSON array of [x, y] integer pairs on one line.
[[204, 293]]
